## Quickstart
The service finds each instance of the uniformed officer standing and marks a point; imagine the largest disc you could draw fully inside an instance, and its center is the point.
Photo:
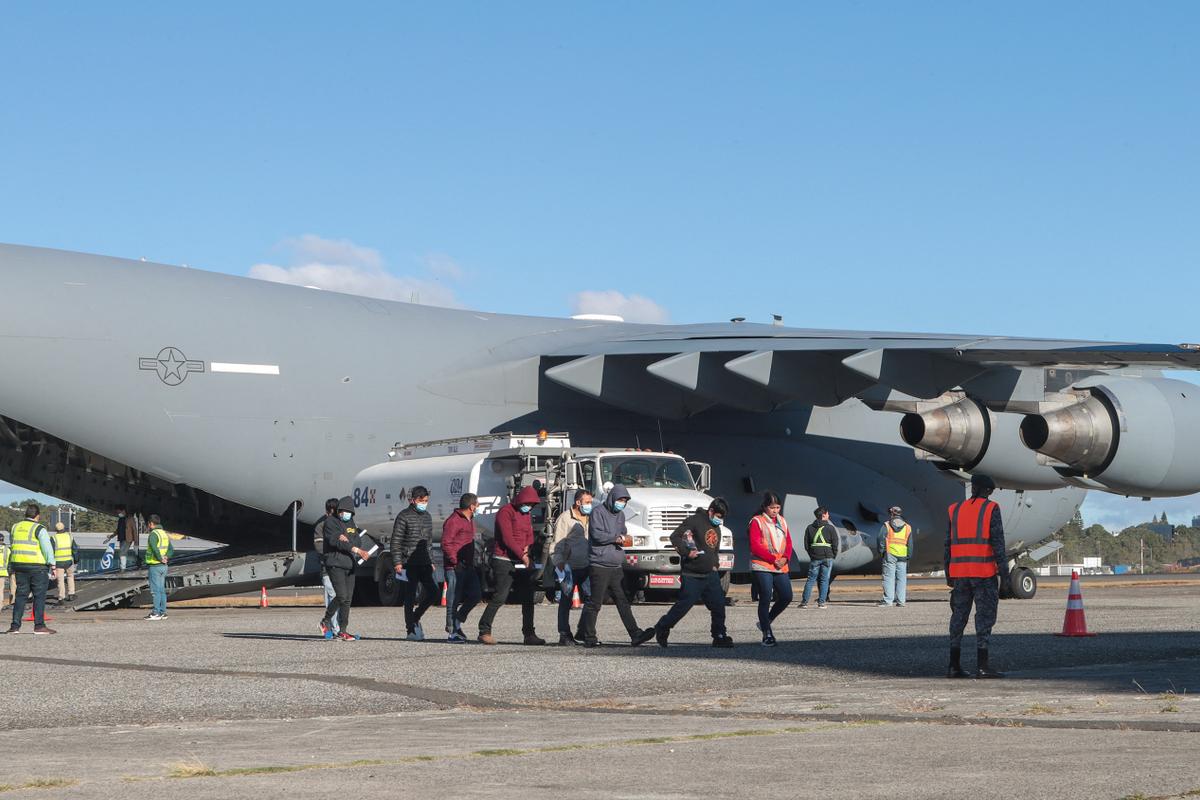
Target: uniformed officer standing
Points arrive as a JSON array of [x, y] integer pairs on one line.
[[974, 556], [32, 554], [64, 559]]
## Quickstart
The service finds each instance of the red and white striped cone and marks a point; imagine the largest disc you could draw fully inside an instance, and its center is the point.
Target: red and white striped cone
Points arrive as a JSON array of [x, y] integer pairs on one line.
[[1074, 624], [445, 591], [575, 601], [262, 599]]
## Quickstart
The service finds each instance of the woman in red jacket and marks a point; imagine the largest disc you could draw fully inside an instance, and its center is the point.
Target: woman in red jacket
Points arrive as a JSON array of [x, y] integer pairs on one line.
[[770, 552]]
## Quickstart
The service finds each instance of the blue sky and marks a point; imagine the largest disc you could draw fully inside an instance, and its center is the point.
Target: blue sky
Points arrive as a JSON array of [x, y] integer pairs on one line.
[[845, 165]]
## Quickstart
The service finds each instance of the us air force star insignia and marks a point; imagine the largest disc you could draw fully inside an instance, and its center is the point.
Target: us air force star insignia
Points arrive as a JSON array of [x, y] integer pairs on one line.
[[171, 365]]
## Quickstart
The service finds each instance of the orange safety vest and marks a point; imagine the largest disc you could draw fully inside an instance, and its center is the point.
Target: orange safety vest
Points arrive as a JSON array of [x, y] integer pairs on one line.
[[971, 553], [765, 526]]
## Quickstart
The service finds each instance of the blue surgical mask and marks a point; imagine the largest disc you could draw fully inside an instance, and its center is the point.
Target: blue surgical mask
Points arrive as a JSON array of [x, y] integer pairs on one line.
[[346, 516], [716, 521], [422, 506], [619, 505], [525, 509], [586, 508]]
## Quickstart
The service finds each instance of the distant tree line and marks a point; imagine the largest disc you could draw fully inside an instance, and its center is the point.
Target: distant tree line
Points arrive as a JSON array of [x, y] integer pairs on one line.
[[1125, 547], [85, 518]]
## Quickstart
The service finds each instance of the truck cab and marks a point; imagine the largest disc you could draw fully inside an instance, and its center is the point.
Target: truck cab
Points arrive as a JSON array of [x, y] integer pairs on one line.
[[664, 490]]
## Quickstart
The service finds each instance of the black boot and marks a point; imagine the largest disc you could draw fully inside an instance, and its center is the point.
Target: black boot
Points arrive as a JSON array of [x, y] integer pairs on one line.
[[981, 669], [955, 669]]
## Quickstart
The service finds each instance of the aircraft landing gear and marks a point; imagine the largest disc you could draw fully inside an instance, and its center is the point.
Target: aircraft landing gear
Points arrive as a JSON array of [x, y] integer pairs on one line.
[[1022, 583]]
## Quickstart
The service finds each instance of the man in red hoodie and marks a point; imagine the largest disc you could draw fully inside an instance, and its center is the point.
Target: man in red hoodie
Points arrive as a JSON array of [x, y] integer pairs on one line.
[[512, 566]]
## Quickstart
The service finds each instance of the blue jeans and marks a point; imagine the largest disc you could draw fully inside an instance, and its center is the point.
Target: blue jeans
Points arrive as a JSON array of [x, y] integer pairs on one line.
[[327, 585], [818, 570], [895, 580], [158, 587], [30, 579], [775, 585], [566, 589], [693, 589]]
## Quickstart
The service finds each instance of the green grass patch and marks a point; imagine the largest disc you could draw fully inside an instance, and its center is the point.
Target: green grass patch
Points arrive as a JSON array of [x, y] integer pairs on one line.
[[502, 751]]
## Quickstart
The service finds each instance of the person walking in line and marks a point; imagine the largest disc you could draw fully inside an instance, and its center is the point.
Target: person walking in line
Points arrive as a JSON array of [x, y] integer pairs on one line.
[[896, 547], [412, 537], [512, 566], [4, 576], [608, 535], [770, 552], [124, 534], [460, 565], [32, 552], [64, 560], [698, 542], [159, 549], [821, 543], [319, 547], [342, 549], [570, 558], [975, 555]]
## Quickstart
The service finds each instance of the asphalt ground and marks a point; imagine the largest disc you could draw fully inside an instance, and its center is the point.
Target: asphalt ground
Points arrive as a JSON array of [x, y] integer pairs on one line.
[[852, 703]]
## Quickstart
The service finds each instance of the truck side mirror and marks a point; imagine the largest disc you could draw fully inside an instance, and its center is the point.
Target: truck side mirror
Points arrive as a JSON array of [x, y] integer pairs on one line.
[[573, 476], [701, 474]]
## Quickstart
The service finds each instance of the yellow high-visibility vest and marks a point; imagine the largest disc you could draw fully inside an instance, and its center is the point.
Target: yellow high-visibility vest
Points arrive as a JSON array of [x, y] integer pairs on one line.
[[25, 547], [897, 541], [3, 561], [62, 546], [158, 542], [819, 537]]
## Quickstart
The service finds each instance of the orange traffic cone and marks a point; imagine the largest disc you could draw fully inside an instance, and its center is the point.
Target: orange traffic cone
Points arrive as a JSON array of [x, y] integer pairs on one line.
[[445, 589], [262, 600], [1074, 624], [575, 602], [30, 618]]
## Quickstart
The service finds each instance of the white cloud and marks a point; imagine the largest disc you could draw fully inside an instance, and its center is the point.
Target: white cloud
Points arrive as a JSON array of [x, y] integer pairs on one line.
[[632, 308], [340, 265], [1116, 513]]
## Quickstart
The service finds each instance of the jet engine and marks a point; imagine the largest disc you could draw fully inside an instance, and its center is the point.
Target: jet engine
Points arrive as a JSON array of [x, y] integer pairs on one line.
[[1133, 436], [967, 436]]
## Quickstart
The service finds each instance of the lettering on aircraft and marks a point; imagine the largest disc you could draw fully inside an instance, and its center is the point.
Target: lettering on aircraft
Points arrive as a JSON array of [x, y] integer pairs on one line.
[[456, 485], [172, 365]]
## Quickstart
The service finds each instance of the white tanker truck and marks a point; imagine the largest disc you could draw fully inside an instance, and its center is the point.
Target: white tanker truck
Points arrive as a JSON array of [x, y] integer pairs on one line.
[[664, 489]]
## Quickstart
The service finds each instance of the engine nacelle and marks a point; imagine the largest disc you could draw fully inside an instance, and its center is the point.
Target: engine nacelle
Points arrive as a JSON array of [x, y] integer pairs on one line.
[[1133, 436], [967, 436]]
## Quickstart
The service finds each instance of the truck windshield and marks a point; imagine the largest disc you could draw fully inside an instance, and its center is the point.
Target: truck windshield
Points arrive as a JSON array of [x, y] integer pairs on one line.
[[637, 470]]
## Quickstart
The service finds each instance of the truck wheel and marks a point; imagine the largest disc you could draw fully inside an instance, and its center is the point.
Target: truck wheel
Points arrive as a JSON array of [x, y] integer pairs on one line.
[[390, 589], [1023, 583], [634, 592]]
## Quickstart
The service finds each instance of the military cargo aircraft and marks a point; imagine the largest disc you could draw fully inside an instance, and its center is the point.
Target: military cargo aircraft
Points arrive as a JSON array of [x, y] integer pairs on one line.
[[218, 401]]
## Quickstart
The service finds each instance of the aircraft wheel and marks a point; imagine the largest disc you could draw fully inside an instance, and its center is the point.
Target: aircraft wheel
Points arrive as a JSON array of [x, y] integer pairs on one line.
[[1023, 583], [391, 591]]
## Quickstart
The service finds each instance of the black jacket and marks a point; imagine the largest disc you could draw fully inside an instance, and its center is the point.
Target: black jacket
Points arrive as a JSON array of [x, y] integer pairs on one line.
[[697, 533], [337, 552], [830, 549], [319, 534], [412, 536]]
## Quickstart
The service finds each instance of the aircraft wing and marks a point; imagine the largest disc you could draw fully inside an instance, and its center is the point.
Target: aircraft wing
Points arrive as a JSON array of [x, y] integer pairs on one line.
[[760, 367]]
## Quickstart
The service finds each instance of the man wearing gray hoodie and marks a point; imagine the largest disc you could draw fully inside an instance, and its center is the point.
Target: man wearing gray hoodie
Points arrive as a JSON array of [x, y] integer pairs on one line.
[[607, 538], [895, 547]]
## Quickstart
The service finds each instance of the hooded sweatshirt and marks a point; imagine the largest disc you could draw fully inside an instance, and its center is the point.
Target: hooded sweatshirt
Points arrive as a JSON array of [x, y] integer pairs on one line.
[[896, 523], [514, 530], [830, 535], [606, 529], [337, 551]]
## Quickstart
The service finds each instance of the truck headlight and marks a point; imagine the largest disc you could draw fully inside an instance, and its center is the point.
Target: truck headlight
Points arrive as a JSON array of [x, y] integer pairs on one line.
[[641, 541]]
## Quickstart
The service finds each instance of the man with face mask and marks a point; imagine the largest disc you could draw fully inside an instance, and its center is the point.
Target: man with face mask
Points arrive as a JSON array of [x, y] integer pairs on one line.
[[341, 551], [607, 538], [698, 542], [512, 566], [412, 536], [458, 561], [569, 556], [123, 534]]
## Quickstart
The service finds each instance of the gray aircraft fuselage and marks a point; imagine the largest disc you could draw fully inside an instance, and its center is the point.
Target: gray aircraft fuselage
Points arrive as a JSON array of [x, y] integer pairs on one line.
[[217, 401]]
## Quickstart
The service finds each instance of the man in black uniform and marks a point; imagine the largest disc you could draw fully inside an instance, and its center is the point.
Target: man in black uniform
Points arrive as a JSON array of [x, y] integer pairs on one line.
[[412, 536], [974, 557], [698, 542]]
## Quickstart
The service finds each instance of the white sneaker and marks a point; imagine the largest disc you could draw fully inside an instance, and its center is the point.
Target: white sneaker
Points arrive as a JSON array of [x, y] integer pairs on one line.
[[153, 617], [419, 631]]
